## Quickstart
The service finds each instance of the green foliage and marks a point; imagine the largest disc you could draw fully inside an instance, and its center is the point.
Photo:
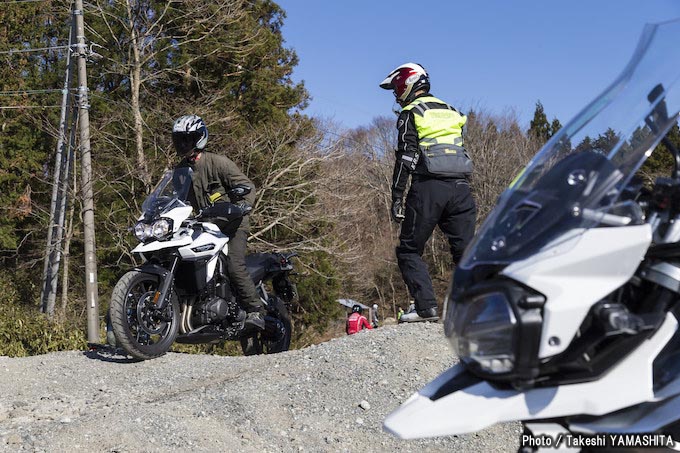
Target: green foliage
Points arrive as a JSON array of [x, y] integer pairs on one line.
[[25, 331], [604, 143], [555, 126], [660, 163], [26, 146], [318, 289], [540, 128], [229, 348]]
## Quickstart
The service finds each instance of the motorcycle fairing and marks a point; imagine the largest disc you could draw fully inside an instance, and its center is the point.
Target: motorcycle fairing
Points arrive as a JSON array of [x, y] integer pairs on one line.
[[592, 263], [644, 418], [205, 244], [154, 246], [177, 215], [484, 405]]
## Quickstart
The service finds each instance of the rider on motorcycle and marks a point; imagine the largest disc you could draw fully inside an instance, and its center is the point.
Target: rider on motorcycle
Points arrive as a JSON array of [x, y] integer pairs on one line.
[[213, 176]]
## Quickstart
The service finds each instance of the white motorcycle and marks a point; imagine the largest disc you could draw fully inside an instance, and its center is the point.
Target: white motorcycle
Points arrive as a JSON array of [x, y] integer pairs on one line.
[[564, 310], [182, 291]]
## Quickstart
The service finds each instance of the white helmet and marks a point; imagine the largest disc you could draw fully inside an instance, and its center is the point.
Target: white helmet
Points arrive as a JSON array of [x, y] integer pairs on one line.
[[405, 81], [189, 133]]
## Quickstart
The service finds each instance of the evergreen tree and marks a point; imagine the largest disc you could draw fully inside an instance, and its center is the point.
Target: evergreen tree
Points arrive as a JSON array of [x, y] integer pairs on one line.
[[585, 145], [539, 126], [661, 162], [606, 142], [555, 126], [27, 144]]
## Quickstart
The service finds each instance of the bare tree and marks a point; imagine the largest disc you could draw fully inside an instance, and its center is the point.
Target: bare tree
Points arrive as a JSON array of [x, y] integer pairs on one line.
[[285, 164]]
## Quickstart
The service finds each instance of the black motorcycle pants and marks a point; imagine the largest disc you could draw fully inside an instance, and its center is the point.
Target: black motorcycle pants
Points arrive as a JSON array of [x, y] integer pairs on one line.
[[446, 203]]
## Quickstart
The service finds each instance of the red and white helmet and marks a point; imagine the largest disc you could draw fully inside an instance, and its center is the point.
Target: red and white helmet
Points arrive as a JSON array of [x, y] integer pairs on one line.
[[405, 81]]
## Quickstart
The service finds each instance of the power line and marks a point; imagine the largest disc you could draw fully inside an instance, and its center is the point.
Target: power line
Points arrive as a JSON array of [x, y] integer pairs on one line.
[[21, 1], [40, 49], [8, 107], [22, 92]]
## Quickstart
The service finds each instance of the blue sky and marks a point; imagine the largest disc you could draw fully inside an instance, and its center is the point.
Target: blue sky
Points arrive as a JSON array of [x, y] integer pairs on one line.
[[492, 55]]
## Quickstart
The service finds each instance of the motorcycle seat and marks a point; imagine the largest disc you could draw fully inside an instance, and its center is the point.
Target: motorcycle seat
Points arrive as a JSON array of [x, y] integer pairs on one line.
[[259, 264]]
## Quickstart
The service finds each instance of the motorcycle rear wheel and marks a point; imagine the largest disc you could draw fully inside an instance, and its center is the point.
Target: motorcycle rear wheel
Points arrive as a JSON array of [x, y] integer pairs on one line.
[[259, 343], [139, 328]]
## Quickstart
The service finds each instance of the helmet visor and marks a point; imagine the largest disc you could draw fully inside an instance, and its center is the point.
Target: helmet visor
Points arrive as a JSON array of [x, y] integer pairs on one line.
[[184, 142]]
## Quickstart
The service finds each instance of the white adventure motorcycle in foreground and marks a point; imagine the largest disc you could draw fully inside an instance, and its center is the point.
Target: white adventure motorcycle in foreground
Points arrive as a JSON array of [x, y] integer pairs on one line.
[[182, 290], [564, 311]]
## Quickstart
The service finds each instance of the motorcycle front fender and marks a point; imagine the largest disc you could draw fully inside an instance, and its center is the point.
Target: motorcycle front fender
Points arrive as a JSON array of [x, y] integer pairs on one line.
[[457, 402], [153, 269]]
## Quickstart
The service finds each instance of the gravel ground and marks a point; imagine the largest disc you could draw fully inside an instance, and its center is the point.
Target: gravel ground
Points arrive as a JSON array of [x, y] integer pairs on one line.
[[303, 400]]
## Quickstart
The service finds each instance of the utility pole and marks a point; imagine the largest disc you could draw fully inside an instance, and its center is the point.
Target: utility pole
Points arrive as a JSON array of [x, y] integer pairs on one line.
[[86, 175], [59, 193]]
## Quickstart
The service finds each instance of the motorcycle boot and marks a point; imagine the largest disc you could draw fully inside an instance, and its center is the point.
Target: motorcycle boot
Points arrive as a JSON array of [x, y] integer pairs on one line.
[[429, 314], [254, 319]]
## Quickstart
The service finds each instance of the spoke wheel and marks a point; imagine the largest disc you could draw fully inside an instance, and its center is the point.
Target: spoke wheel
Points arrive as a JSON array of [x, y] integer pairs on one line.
[[139, 327]]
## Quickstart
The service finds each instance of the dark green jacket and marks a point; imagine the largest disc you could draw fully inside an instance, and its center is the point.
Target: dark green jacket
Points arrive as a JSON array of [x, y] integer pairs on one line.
[[213, 176]]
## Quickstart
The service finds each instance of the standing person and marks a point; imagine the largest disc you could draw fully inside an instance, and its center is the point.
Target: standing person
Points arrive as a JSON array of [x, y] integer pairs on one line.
[[430, 151], [356, 321], [374, 315], [213, 176]]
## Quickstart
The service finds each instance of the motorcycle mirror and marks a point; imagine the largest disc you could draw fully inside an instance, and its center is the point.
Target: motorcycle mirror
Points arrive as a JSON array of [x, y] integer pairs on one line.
[[660, 111], [659, 119]]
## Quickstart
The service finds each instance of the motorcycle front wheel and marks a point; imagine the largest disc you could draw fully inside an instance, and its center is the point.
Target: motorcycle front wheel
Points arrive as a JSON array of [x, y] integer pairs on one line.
[[139, 327], [276, 336]]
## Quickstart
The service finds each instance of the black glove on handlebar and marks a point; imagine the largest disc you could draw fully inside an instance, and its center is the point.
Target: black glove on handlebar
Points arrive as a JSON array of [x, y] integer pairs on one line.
[[225, 210]]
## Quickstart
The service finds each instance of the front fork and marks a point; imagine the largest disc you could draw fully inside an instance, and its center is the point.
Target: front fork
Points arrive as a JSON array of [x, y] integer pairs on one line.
[[160, 299]]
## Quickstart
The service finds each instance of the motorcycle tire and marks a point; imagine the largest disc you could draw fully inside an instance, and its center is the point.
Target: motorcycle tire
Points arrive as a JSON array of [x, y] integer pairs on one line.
[[140, 330], [258, 344], [251, 345]]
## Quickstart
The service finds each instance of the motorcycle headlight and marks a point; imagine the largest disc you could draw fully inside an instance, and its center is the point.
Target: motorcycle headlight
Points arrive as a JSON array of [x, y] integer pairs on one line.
[[142, 231], [160, 228], [482, 329]]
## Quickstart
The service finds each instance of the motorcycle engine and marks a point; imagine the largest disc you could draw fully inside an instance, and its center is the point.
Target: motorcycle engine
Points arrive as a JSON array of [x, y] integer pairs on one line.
[[213, 311]]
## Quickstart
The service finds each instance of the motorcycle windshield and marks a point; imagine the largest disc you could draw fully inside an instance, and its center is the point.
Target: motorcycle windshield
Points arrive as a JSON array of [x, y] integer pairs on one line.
[[576, 181], [170, 192]]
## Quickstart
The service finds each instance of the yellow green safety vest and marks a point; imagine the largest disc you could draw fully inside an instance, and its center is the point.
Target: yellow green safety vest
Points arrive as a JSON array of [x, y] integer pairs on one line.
[[440, 137]]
